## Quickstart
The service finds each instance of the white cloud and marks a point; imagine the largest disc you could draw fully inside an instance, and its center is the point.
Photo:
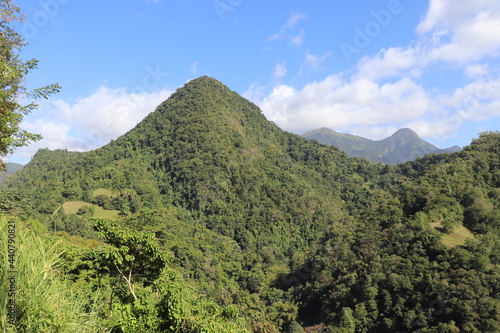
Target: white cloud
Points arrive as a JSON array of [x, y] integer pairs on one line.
[[477, 71], [280, 70], [340, 105], [374, 132], [473, 103], [376, 111], [447, 14], [90, 122], [255, 93], [473, 40], [315, 61], [367, 108], [453, 34], [458, 33], [286, 30], [294, 18], [298, 39], [461, 30], [389, 63]]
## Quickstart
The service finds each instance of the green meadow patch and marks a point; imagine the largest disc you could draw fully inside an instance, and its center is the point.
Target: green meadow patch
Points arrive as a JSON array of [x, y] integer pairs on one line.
[[103, 191], [71, 207], [457, 238]]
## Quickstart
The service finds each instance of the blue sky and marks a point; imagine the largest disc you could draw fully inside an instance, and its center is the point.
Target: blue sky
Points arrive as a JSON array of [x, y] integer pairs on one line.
[[362, 67]]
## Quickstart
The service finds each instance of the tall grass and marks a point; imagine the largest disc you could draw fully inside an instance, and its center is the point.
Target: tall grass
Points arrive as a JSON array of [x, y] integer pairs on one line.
[[44, 301]]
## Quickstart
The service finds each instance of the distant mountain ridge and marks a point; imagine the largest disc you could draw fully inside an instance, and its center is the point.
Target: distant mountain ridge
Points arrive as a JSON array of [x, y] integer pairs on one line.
[[404, 145], [11, 168]]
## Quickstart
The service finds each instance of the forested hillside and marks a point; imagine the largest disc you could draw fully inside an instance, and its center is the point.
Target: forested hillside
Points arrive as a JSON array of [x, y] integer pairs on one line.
[[206, 217]]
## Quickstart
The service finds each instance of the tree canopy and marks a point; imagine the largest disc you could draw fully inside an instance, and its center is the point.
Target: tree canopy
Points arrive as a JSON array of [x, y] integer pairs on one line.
[[13, 91]]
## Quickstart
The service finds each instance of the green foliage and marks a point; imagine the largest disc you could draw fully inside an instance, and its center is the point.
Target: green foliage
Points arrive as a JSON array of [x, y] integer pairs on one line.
[[182, 311], [141, 292], [86, 210], [133, 256], [13, 72], [12, 202], [44, 303], [229, 224]]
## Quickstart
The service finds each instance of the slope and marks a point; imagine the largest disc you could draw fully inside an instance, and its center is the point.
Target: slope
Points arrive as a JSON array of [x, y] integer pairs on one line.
[[394, 272], [293, 232], [404, 145], [209, 151], [211, 155]]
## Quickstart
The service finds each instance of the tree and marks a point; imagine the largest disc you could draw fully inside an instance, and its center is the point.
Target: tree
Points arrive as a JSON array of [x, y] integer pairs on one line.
[[134, 256], [13, 72]]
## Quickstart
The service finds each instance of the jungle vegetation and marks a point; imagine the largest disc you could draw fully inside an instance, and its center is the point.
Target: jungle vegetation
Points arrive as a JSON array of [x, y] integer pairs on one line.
[[206, 217]]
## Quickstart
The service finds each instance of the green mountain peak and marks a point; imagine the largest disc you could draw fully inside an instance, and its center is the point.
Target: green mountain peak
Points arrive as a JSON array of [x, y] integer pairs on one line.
[[210, 151], [204, 107]]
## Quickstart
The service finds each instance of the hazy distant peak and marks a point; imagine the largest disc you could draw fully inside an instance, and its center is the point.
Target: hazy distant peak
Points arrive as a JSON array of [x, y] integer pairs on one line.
[[404, 145], [406, 132]]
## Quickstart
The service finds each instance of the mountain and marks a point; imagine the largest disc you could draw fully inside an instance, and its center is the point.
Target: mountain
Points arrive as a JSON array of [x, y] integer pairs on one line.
[[404, 145], [11, 168], [200, 150], [270, 231]]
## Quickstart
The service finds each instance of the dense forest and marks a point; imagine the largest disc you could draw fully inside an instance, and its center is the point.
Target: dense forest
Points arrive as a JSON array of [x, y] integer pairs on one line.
[[206, 217]]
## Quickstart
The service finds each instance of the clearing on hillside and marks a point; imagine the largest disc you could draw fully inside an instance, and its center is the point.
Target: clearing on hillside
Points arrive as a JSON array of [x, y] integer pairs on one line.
[[103, 191], [457, 238], [71, 207]]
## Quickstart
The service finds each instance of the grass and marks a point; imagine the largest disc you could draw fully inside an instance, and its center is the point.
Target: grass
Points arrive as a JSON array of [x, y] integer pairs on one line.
[[44, 301], [457, 238], [103, 191], [71, 207]]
